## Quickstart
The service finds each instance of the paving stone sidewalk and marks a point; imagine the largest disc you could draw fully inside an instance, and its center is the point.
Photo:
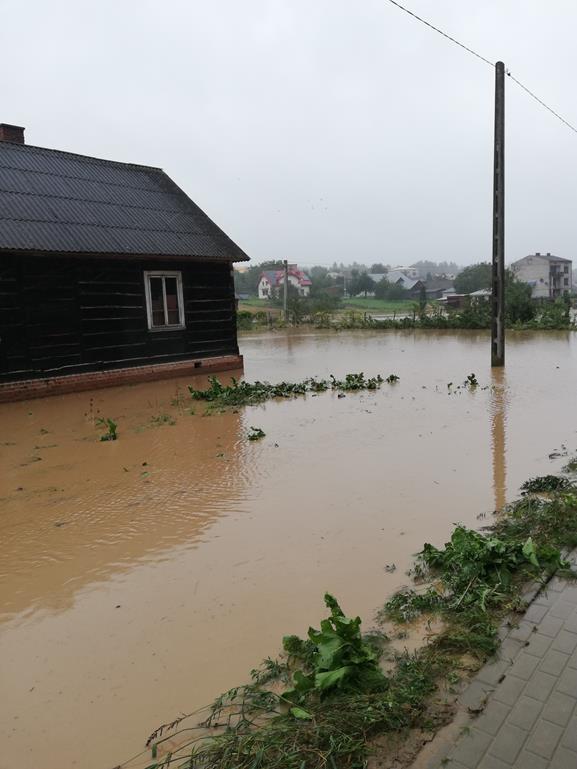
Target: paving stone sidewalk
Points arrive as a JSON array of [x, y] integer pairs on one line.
[[528, 696]]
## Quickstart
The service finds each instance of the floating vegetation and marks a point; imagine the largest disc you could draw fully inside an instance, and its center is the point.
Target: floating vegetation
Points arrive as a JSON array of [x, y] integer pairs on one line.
[[392, 378], [242, 393], [256, 434], [571, 466], [111, 428], [545, 483], [471, 381], [327, 696], [162, 419]]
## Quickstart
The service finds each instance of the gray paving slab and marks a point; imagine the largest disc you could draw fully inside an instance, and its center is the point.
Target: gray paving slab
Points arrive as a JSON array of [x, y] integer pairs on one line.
[[529, 692]]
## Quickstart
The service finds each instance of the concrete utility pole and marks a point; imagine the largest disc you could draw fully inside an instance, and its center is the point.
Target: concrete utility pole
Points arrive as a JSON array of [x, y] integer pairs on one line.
[[498, 272], [285, 295]]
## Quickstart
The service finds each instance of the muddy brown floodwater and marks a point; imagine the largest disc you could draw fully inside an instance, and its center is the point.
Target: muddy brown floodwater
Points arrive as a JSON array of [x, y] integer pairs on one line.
[[142, 577]]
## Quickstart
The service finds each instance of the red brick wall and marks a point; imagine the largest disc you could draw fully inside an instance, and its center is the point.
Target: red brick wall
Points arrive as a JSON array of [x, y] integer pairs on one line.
[[91, 380]]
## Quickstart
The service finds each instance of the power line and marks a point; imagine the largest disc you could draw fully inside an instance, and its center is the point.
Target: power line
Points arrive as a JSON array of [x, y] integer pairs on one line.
[[478, 55], [542, 103], [444, 34]]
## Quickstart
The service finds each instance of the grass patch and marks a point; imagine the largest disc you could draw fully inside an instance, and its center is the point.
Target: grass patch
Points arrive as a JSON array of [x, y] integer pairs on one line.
[[381, 305], [327, 697]]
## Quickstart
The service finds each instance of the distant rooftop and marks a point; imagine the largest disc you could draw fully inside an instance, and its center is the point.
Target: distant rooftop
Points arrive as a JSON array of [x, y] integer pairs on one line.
[[548, 256]]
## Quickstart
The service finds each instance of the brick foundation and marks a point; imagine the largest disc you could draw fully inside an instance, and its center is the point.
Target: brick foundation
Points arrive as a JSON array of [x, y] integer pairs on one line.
[[91, 380]]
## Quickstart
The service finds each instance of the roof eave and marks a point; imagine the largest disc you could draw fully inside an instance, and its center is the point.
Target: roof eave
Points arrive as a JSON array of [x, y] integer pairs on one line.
[[130, 256]]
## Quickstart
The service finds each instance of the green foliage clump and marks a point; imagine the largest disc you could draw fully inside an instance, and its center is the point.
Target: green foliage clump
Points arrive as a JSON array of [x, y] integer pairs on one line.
[[245, 320], [551, 522], [545, 483], [111, 427], [474, 580], [252, 393], [473, 278], [571, 466], [255, 434], [477, 578], [335, 658], [477, 569]]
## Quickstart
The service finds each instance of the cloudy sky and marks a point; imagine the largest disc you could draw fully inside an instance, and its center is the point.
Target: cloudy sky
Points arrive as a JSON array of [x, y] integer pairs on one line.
[[314, 130]]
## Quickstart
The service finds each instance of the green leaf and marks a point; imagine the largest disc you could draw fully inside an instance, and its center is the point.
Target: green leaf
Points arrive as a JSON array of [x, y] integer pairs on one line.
[[530, 553], [324, 681], [300, 713]]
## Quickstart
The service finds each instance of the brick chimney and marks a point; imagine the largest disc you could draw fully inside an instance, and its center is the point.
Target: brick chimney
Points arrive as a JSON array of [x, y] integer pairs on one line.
[[11, 133]]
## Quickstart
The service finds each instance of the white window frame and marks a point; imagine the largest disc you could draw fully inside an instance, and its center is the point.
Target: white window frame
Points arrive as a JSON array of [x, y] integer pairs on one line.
[[164, 274]]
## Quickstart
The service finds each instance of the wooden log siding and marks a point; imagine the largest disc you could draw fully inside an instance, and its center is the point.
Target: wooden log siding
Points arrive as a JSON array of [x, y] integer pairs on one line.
[[67, 315]]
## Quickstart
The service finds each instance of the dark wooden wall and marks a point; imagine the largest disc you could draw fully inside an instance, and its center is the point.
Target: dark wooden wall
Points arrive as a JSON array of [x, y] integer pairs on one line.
[[63, 315]]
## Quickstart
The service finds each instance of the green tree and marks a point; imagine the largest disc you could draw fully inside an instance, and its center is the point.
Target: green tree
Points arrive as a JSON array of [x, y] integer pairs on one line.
[[519, 307], [473, 278], [391, 291], [320, 280], [378, 268], [362, 284], [422, 299]]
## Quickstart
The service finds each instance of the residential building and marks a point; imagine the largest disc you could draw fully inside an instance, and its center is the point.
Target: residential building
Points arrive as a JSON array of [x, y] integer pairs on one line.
[[398, 277], [410, 272], [437, 287], [272, 281], [109, 273], [549, 276]]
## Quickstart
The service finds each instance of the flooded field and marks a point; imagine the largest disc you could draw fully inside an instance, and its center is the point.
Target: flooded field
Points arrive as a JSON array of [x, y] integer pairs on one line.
[[142, 577]]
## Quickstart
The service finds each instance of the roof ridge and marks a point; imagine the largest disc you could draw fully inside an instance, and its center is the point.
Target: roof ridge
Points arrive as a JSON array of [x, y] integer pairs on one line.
[[87, 158]]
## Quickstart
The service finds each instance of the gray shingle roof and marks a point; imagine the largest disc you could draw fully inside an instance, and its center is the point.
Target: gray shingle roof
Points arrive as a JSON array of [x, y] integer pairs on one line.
[[60, 202]]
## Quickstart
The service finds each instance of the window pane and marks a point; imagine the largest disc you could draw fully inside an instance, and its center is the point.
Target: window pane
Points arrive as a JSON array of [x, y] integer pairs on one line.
[[172, 301], [157, 301]]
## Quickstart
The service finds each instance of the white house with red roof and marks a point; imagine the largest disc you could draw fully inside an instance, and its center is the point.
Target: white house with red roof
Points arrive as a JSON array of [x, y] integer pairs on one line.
[[272, 281]]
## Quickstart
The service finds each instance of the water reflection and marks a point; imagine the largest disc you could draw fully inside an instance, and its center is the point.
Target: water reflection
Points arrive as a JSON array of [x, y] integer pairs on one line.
[[498, 436]]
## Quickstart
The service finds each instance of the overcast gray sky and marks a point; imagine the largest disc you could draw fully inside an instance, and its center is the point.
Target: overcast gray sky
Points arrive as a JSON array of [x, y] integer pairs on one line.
[[314, 130]]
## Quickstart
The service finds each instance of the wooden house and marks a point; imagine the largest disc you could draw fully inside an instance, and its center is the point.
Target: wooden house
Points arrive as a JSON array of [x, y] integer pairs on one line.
[[109, 273]]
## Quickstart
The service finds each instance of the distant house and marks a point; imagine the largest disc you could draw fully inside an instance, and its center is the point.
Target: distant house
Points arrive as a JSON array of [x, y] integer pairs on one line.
[[549, 276], [109, 273], [410, 272], [399, 278], [481, 295], [272, 281], [438, 287], [376, 277]]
